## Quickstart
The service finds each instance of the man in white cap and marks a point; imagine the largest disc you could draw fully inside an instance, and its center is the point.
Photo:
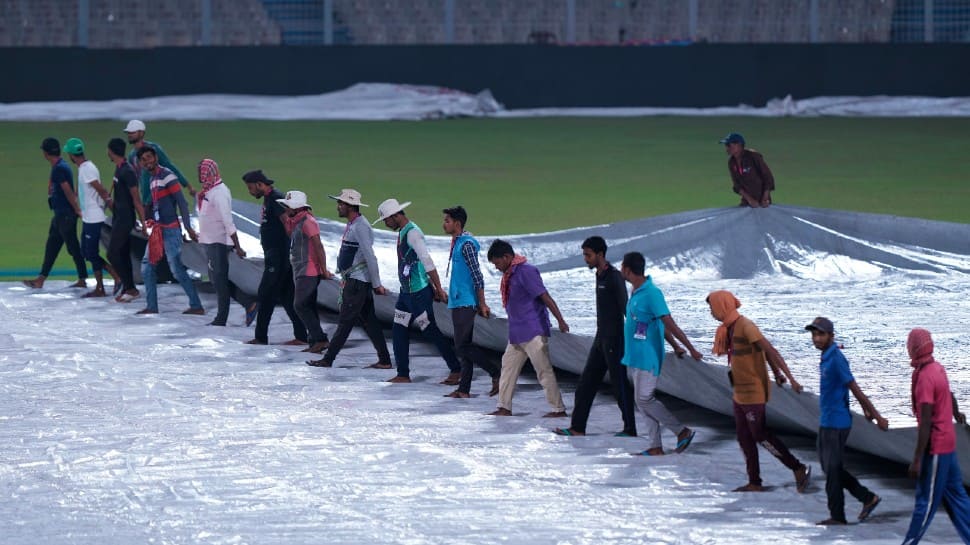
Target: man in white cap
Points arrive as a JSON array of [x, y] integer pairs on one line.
[[359, 277], [309, 263], [136, 137], [420, 287]]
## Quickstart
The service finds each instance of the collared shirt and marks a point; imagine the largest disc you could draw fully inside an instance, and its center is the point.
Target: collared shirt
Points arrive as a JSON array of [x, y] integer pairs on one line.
[[611, 300], [215, 217], [643, 332], [528, 315], [833, 398]]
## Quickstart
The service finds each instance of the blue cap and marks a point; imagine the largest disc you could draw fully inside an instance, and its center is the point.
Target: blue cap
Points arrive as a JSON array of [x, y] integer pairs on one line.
[[733, 138], [821, 324]]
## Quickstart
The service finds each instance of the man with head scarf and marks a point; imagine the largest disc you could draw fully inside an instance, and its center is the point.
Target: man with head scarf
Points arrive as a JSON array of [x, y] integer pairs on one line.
[[217, 235], [748, 351], [935, 464]]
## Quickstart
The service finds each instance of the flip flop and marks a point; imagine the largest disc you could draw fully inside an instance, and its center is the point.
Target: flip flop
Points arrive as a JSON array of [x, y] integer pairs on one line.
[[869, 508], [685, 442], [802, 484], [567, 432]]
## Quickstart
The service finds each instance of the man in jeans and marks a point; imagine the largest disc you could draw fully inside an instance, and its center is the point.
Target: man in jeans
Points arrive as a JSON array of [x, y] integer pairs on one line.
[[63, 229], [466, 298], [276, 284], [166, 232], [217, 232], [420, 287], [360, 275], [527, 304], [607, 349], [309, 264]]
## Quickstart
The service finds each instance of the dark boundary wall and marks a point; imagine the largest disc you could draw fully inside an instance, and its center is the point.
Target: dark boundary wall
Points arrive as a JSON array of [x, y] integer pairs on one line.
[[520, 76]]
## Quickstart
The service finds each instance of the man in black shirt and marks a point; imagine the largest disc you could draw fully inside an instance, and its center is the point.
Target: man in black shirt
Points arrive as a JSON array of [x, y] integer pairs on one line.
[[607, 349], [276, 284], [124, 202]]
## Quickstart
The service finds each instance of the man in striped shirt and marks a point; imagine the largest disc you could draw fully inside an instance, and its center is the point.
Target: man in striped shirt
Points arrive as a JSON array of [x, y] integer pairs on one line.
[[167, 205]]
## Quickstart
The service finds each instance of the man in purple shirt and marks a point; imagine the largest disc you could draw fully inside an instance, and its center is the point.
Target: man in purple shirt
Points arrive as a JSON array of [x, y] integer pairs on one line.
[[527, 304]]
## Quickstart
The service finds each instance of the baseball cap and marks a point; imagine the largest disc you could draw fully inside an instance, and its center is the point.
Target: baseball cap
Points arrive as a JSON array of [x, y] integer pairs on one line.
[[821, 324], [51, 146], [135, 125], [74, 146], [733, 138]]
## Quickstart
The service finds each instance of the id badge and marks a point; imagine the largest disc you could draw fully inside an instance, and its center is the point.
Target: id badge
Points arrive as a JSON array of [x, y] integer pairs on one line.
[[641, 331], [422, 321], [407, 270], [402, 317], [156, 214]]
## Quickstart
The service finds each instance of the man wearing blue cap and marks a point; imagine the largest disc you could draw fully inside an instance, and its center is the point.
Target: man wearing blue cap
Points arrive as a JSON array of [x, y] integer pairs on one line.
[[751, 176]]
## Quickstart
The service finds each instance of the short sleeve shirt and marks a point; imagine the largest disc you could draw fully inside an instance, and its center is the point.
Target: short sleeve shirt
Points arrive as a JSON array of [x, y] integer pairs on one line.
[[528, 315], [930, 385], [749, 369], [56, 198], [92, 205], [124, 180], [833, 398], [643, 331], [311, 230], [272, 233]]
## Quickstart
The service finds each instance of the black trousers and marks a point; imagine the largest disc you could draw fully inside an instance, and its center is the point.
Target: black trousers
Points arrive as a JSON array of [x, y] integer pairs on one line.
[[604, 356], [357, 308], [63, 231], [305, 304], [831, 448], [119, 248], [276, 287], [463, 320]]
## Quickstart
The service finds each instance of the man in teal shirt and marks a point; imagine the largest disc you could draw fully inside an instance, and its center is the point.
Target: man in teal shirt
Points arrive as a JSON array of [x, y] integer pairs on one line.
[[648, 323], [136, 137]]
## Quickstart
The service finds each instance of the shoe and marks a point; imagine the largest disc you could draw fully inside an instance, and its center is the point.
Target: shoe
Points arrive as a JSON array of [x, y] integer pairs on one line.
[[379, 365], [194, 311], [215, 323], [494, 391], [317, 348], [400, 380], [868, 508], [568, 432], [294, 342], [655, 451], [459, 394], [94, 293], [452, 380], [147, 311], [750, 488], [802, 476], [256, 341], [683, 440], [555, 414], [500, 412], [831, 522], [624, 434], [251, 312], [322, 362]]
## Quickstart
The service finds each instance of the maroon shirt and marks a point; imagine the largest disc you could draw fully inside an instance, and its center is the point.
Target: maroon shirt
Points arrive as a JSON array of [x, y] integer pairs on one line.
[[752, 174]]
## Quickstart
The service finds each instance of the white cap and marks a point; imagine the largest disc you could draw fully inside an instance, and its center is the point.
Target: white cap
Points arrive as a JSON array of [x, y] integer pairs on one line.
[[349, 196], [388, 208], [135, 125], [294, 200]]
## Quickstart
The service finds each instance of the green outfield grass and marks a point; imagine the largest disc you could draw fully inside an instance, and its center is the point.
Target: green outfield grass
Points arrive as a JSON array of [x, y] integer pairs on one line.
[[530, 175]]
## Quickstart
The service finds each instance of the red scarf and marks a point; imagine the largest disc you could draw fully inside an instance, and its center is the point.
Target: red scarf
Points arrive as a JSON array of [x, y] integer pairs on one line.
[[724, 307], [506, 284], [209, 176]]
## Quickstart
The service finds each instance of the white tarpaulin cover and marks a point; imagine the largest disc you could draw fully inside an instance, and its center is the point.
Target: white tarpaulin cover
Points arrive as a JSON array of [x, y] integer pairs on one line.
[[385, 101]]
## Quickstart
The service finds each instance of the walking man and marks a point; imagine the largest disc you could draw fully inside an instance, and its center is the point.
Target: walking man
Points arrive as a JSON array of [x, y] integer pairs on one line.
[[527, 304], [607, 350], [835, 423], [276, 284], [63, 229], [217, 235], [93, 198], [420, 287], [360, 279], [309, 263], [165, 236], [466, 298], [748, 351], [136, 137], [648, 322], [750, 174], [935, 465], [125, 203]]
